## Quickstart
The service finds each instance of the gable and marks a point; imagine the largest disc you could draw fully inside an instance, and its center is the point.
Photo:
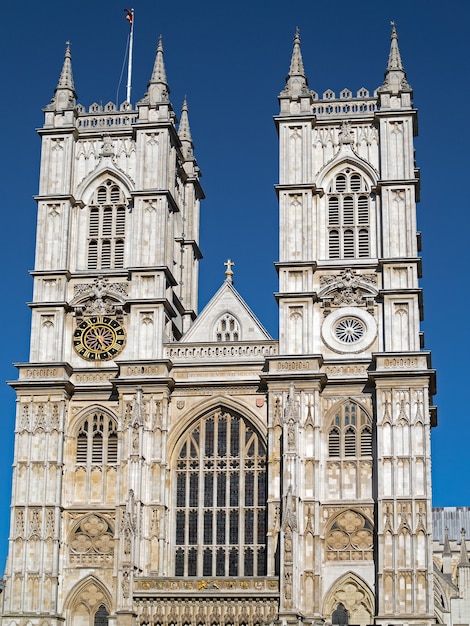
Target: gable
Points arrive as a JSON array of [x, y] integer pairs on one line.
[[226, 317]]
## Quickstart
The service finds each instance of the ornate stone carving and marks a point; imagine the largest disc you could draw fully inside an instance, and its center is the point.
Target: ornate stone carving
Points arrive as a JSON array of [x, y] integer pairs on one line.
[[19, 523], [291, 417], [128, 526], [348, 289], [101, 297], [49, 524], [289, 514], [35, 521]]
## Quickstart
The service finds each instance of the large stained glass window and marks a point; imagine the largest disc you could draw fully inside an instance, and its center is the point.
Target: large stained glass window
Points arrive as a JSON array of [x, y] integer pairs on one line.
[[220, 496]]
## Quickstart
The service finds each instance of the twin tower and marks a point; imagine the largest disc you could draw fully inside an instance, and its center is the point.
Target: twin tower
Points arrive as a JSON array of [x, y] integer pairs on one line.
[[176, 469]]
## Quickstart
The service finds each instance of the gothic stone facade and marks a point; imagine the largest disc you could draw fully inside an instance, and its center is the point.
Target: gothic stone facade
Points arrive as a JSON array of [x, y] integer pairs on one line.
[[175, 469]]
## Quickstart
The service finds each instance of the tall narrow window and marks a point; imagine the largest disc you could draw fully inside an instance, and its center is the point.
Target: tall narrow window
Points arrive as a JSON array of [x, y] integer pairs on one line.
[[97, 440], [220, 496], [106, 228], [348, 217]]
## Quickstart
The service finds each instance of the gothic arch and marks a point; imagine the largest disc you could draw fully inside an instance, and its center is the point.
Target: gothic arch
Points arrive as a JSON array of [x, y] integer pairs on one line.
[[222, 455], [77, 420], [85, 600], [334, 408], [101, 223], [204, 408], [355, 595], [339, 162], [348, 428], [98, 177], [348, 209], [93, 444]]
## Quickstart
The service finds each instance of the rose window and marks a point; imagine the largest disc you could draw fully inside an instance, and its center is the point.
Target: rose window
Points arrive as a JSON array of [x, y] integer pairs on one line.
[[349, 330]]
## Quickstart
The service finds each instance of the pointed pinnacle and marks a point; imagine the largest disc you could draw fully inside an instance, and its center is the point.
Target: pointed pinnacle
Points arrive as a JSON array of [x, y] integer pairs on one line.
[[66, 77], [159, 74], [446, 551], [296, 81], [296, 63], [157, 89], [395, 75], [463, 550], [184, 132], [394, 58]]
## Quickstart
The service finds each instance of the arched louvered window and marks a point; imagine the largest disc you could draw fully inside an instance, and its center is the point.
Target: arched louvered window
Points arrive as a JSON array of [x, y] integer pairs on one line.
[[334, 244], [97, 440], [220, 498], [106, 228], [349, 217], [350, 432]]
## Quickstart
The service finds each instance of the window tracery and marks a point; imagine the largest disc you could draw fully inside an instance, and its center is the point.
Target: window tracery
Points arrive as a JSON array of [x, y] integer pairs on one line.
[[92, 542], [350, 538], [350, 433], [348, 217], [106, 227], [220, 495], [97, 440], [227, 328]]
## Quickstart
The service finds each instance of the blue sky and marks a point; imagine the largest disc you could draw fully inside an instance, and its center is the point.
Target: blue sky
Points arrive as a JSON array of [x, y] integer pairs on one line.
[[231, 59]]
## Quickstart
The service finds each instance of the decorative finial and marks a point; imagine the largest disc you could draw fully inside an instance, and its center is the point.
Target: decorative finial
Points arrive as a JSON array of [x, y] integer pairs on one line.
[[228, 272]]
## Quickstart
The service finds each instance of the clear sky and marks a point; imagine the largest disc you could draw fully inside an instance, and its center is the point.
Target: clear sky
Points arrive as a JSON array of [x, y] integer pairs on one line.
[[231, 59]]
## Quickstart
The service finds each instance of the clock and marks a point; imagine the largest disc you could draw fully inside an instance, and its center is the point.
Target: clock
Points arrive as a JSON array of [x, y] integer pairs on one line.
[[99, 338]]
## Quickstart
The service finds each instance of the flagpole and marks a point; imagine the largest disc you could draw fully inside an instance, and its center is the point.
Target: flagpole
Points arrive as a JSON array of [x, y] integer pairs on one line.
[[129, 64]]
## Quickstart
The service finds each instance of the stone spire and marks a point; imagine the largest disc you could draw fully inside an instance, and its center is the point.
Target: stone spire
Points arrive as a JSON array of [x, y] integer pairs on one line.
[[157, 88], [463, 561], [64, 94], [395, 75], [184, 132], [296, 81]]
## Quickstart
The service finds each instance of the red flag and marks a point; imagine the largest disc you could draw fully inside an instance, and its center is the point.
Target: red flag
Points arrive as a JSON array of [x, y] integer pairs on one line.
[[129, 16]]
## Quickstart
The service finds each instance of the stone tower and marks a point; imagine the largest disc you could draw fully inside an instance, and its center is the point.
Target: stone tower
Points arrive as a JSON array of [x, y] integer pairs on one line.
[[175, 469], [354, 444]]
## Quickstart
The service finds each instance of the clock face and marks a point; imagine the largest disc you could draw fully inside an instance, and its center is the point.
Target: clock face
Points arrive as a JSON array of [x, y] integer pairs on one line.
[[99, 338]]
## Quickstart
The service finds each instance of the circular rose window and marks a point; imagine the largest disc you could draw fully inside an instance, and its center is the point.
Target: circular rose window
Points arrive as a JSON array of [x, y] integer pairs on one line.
[[349, 330]]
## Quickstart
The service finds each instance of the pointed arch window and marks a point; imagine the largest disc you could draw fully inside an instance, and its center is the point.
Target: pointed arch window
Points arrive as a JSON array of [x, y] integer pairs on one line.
[[350, 432], [101, 617], [97, 441], [220, 497], [349, 217], [106, 227]]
